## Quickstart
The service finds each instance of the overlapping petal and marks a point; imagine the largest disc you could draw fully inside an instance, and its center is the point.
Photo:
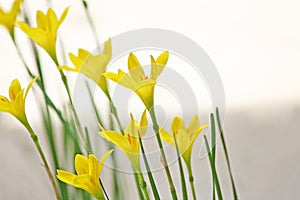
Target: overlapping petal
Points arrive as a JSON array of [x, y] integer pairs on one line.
[[45, 33], [16, 104], [137, 81], [92, 66], [129, 142], [8, 19], [185, 136], [88, 173]]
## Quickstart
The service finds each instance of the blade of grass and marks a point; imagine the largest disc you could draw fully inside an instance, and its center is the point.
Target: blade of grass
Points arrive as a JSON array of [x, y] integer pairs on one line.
[[89, 145], [213, 145], [140, 193], [213, 170], [234, 191], [183, 185], [151, 179], [162, 152]]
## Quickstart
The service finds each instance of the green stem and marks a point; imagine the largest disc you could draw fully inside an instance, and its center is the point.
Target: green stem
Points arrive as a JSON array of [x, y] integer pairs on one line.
[[91, 22], [213, 170], [162, 152], [41, 84], [152, 182], [46, 165], [213, 151], [143, 185], [183, 185], [191, 180], [226, 155], [114, 111], [104, 191], [140, 193], [74, 113]]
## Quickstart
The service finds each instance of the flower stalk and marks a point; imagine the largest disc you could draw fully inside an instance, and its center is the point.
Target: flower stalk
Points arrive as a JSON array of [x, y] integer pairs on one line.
[[42, 155]]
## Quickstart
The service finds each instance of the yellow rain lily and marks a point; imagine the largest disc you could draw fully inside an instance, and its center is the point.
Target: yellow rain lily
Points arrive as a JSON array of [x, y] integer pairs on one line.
[[8, 19], [92, 66], [46, 32], [16, 104], [88, 174], [129, 143], [185, 136], [136, 80]]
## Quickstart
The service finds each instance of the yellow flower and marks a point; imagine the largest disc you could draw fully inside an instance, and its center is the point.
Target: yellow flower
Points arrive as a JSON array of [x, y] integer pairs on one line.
[[185, 136], [46, 32], [16, 104], [88, 174], [129, 142], [92, 66], [136, 80], [8, 19]]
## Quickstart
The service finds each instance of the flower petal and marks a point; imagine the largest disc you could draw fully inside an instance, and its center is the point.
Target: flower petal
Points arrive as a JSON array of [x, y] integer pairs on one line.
[[143, 124], [66, 177], [14, 89], [30, 85], [121, 78], [166, 136], [81, 164], [135, 69], [116, 138], [5, 105], [158, 65], [103, 158]]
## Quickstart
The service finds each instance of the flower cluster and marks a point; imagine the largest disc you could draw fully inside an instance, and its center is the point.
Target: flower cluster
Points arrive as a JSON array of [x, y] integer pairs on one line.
[[77, 143]]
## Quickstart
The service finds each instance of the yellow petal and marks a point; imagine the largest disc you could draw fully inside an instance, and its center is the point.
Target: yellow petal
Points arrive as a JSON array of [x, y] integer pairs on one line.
[[166, 136], [63, 16], [103, 158], [41, 20], [116, 138], [30, 85], [143, 124], [66, 177], [85, 182], [121, 78], [107, 51], [135, 69], [158, 65], [15, 8], [81, 164], [67, 68], [177, 124], [145, 90], [14, 89], [5, 105], [194, 124]]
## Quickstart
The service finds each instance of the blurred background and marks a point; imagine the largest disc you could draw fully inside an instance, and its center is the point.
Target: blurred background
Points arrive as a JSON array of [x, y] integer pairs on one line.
[[255, 46]]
